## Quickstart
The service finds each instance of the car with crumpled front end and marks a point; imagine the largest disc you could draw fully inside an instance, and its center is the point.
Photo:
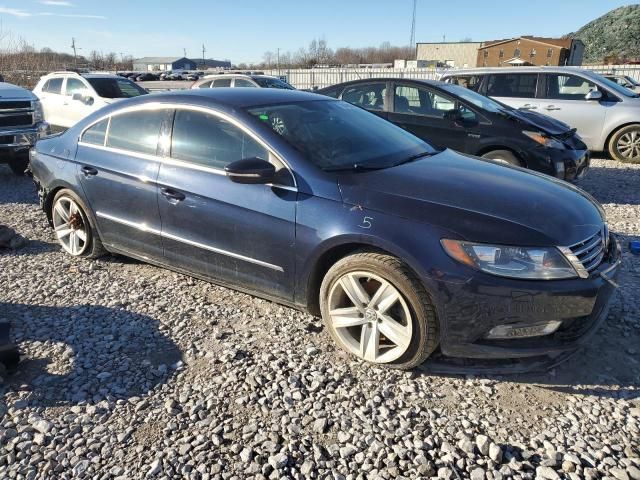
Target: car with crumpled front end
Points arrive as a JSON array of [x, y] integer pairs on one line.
[[408, 253], [450, 116], [21, 125], [606, 115]]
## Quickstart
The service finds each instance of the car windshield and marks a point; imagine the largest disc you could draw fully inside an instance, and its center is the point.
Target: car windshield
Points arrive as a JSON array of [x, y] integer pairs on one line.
[[116, 87], [618, 88], [266, 82], [474, 98], [336, 135], [631, 81]]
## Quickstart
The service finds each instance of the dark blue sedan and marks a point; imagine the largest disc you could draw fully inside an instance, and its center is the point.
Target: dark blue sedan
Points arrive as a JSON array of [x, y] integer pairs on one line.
[[404, 250]]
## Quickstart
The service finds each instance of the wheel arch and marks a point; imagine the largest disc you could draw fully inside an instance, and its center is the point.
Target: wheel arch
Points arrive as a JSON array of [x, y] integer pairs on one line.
[[616, 130], [493, 147], [51, 193], [333, 253]]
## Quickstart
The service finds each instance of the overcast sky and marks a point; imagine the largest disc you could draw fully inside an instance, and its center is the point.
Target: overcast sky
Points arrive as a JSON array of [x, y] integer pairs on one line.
[[242, 30]]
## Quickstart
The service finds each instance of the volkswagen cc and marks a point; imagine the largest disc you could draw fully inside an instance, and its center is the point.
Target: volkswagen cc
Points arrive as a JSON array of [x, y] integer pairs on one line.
[[405, 251]]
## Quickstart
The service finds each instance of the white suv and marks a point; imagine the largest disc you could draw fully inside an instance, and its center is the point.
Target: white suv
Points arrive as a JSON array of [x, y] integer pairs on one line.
[[68, 97]]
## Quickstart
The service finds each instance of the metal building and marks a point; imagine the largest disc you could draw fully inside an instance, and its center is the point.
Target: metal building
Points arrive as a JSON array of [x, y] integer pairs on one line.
[[161, 64]]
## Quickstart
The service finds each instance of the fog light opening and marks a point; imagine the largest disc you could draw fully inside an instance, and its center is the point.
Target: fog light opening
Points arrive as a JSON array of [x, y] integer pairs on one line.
[[523, 331]]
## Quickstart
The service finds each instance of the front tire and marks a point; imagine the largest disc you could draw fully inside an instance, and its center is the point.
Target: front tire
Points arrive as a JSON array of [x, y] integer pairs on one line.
[[624, 145], [74, 230], [376, 309], [503, 156], [19, 164]]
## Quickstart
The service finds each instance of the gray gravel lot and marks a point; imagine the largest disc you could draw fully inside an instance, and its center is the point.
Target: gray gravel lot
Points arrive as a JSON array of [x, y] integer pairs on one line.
[[131, 371]]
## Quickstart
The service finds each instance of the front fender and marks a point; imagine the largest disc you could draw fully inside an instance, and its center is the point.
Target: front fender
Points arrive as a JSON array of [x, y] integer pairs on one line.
[[320, 244]]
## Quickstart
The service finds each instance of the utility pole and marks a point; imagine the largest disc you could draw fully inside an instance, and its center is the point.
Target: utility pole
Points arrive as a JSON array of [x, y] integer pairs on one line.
[[75, 53], [278, 61], [412, 37], [185, 52], [203, 62]]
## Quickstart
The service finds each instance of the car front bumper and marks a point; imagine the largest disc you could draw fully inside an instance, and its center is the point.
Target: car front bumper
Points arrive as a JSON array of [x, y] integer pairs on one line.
[[566, 164], [22, 139], [484, 302]]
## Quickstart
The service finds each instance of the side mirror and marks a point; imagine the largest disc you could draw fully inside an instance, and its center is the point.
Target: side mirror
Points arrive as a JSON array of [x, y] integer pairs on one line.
[[251, 171], [593, 95], [453, 116]]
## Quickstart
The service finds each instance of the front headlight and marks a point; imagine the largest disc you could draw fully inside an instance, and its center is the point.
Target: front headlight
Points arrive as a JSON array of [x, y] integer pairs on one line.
[[38, 112], [544, 140], [532, 263]]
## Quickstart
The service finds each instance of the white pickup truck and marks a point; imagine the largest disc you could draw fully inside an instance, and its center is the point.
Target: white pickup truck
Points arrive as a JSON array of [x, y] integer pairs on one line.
[[21, 125]]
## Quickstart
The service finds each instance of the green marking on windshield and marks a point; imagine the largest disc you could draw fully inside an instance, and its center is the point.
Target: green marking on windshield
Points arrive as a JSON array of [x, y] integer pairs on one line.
[[264, 117]]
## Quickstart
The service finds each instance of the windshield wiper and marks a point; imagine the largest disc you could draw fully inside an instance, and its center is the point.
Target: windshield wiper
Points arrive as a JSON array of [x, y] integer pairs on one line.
[[413, 158]]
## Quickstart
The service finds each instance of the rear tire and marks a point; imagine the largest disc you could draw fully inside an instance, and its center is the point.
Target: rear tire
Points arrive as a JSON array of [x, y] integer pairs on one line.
[[624, 145], [19, 164], [504, 156], [392, 307], [73, 227]]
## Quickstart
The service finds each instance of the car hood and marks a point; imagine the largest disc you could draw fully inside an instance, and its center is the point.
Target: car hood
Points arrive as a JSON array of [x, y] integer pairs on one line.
[[478, 200], [542, 122], [9, 91], [109, 101]]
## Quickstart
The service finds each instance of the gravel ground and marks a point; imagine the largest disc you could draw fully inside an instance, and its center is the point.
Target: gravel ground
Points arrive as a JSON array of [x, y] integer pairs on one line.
[[131, 371]]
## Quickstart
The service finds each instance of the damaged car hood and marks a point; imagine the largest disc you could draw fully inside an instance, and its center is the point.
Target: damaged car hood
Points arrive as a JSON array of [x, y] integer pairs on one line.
[[478, 199]]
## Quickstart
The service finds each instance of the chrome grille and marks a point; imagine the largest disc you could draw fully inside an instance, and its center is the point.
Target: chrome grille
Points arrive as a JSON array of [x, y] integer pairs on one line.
[[15, 113], [592, 250]]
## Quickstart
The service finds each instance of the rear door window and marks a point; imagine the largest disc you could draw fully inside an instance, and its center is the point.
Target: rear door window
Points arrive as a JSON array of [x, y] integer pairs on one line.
[[136, 131], [370, 96], [517, 85], [243, 83], [53, 85], [421, 101], [567, 87], [221, 82]]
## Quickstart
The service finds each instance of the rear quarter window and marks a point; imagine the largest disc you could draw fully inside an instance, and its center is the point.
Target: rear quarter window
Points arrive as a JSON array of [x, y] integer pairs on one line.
[[95, 134]]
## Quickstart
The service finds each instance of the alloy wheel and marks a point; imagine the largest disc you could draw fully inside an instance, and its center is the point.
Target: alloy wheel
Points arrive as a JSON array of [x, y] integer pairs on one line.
[[370, 317], [70, 226], [629, 144]]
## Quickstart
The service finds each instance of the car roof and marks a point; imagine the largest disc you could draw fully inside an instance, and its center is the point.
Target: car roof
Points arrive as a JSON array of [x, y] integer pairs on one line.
[[233, 97], [83, 75], [485, 70], [435, 83], [229, 75]]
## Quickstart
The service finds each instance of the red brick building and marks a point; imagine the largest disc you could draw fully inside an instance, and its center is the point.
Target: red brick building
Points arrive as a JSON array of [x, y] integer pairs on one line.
[[529, 50]]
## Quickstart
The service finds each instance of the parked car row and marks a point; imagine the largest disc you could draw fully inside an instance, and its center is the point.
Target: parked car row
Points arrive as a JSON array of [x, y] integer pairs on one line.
[[405, 249]]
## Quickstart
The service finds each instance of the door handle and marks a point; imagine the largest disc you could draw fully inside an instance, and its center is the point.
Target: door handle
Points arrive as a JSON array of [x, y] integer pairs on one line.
[[528, 106], [552, 107], [89, 171], [171, 194]]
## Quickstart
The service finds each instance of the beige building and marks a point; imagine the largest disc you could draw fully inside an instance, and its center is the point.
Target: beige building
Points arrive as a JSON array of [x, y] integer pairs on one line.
[[454, 54]]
